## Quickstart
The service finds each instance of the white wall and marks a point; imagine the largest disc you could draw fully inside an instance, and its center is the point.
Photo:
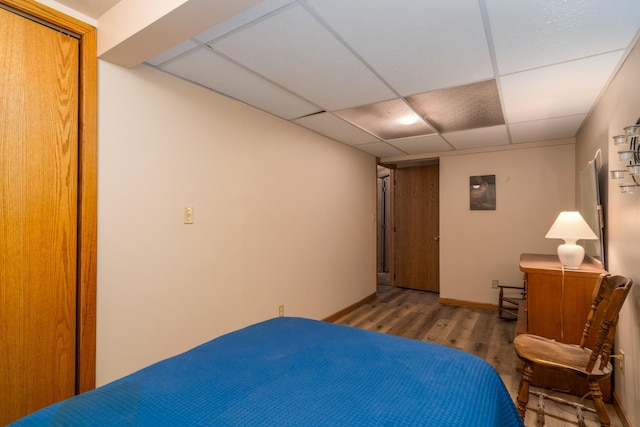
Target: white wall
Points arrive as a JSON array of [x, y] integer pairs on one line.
[[620, 107], [532, 186], [282, 216]]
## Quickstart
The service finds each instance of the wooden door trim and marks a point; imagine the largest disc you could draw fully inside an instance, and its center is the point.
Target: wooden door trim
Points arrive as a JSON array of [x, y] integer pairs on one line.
[[87, 184]]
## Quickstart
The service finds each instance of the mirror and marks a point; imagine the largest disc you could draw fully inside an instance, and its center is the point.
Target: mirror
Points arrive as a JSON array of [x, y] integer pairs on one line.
[[591, 209]]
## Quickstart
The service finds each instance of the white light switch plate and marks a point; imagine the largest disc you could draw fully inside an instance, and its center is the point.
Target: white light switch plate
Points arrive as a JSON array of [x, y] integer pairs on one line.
[[188, 215]]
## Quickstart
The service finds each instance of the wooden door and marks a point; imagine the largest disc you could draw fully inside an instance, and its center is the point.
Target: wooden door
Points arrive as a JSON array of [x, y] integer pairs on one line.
[[416, 228], [39, 215]]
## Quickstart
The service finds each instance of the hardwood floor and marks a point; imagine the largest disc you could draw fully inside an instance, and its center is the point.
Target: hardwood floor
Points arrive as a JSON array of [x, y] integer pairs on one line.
[[418, 315]]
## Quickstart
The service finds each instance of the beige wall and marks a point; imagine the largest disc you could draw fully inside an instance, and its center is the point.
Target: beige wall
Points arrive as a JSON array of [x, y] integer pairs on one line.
[[620, 107], [68, 11], [532, 186], [282, 216]]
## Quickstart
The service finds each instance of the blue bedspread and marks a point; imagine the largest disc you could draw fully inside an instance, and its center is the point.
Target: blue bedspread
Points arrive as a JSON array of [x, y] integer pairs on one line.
[[298, 372]]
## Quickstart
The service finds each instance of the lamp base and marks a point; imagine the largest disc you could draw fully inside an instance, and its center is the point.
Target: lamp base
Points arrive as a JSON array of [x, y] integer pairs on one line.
[[571, 255]]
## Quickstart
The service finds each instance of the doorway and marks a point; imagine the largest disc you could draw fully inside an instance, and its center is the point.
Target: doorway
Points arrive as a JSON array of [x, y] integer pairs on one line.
[[383, 224], [383, 216]]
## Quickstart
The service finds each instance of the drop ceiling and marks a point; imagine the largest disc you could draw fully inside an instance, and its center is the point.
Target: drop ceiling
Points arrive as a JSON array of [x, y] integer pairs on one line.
[[471, 73]]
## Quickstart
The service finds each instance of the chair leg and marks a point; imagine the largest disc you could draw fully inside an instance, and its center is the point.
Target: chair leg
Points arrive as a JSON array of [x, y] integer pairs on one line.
[[580, 417], [601, 411], [523, 390], [540, 418]]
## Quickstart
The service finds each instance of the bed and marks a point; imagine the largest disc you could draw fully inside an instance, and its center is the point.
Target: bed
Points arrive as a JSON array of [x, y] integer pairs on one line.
[[297, 372]]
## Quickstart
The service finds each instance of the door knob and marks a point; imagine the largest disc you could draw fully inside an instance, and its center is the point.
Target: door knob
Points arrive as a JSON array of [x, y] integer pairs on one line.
[[436, 238]]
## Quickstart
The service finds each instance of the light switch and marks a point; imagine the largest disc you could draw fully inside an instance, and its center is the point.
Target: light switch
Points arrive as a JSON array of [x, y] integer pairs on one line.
[[188, 215]]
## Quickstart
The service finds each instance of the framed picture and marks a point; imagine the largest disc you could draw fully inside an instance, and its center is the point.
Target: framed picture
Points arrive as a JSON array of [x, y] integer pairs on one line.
[[482, 193]]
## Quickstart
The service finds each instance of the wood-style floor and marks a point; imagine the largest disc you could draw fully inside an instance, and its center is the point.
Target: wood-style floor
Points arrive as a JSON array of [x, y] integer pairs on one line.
[[418, 315]]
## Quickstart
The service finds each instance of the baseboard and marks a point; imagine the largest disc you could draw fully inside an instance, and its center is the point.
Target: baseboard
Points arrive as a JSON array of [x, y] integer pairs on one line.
[[469, 304], [339, 314], [626, 422]]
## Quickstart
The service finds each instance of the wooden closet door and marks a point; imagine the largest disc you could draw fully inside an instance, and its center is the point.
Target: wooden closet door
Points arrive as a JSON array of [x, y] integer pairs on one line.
[[38, 215]]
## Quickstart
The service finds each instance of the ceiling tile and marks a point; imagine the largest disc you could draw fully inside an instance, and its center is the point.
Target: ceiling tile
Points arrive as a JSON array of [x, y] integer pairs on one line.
[[380, 149], [260, 10], [305, 58], [530, 34], [417, 45], [172, 53], [334, 127], [463, 107], [560, 90], [204, 67], [422, 144], [387, 120], [546, 130], [478, 138]]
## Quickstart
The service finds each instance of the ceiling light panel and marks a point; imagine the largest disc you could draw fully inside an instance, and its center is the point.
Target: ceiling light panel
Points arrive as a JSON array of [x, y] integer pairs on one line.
[[478, 138], [387, 120], [334, 127], [416, 46], [294, 50], [559, 90], [528, 34], [464, 107], [546, 130], [204, 67]]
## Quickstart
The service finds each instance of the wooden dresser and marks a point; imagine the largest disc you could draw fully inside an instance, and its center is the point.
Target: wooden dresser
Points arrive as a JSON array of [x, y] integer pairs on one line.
[[557, 305]]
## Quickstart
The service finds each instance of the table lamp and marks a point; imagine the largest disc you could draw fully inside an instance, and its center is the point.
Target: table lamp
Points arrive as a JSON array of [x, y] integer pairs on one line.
[[571, 227]]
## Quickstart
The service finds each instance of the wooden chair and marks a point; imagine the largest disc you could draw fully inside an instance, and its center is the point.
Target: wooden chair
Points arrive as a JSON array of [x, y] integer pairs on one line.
[[508, 303], [589, 359]]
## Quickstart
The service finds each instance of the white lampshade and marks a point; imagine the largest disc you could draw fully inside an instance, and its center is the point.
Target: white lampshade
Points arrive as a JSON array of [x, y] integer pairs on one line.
[[571, 227]]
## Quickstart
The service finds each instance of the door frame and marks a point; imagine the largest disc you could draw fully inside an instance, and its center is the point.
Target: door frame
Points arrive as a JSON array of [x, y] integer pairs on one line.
[[87, 183], [383, 223]]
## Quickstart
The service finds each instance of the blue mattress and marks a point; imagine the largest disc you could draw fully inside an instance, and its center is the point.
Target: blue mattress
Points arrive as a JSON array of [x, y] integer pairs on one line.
[[298, 372]]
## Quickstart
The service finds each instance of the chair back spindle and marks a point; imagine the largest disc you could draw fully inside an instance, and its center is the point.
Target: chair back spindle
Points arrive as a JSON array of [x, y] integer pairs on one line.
[[609, 295], [598, 295]]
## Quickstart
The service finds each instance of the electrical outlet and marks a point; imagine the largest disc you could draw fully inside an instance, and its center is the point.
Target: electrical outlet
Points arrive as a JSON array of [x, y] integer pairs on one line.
[[280, 310], [495, 283], [621, 361]]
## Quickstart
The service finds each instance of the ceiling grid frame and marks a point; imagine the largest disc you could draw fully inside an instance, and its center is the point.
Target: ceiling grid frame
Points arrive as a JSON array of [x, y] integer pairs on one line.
[[582, 39]]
